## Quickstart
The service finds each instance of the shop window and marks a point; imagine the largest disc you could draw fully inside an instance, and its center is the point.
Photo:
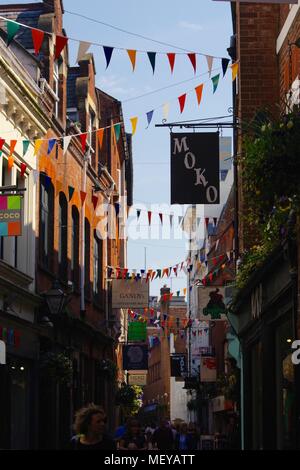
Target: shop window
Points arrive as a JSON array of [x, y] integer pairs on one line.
[[97, 268], [257, 407], [87, 243]]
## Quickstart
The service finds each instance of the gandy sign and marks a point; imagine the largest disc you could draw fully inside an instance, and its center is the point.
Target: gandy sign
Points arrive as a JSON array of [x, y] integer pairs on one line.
[[195, 168], [127, 294]]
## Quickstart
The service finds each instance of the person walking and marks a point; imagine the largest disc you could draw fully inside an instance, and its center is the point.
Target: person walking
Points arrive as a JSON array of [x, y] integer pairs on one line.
[[163, 437], [133, 439], [89, 427]]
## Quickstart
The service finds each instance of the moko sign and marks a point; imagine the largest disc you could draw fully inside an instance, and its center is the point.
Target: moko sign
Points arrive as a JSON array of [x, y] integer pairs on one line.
[[10, 216], [126, 294], [195, 168]]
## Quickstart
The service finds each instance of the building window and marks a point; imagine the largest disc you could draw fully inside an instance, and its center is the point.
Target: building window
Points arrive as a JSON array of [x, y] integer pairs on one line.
[[46, 222], [56, 86], [63, 237], [87, 243], [75, 247], [97, 268]]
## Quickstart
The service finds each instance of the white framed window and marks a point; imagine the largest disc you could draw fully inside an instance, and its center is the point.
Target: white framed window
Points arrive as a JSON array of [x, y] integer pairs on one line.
[[56, 86]]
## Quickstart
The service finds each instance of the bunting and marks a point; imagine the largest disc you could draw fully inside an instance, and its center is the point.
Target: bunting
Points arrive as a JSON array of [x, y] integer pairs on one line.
[[117, 129], [60, 43], [132, 56], [235, 70], [82, 50], [215, 81], [100, 135], [12, 147], [182, 100], [134, 121], [66, 143], [152, 58], [94, 201], [225, 63], [51, 144], [83, 139], [199, 91], [12, 29], [192, 57], [209, 60], [108, 53], [149, 117], [37, 39], [23, 169], [171, 57], [26, 144], [71, 192]]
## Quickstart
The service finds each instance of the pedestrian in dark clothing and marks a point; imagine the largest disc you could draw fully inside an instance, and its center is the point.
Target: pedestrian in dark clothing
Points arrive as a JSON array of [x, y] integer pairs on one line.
[[181, 441], [133, 439], [163, 437], [89, 427]]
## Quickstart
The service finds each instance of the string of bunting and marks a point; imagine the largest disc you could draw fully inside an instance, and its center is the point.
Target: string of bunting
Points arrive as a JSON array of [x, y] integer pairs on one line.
[[38, 36]]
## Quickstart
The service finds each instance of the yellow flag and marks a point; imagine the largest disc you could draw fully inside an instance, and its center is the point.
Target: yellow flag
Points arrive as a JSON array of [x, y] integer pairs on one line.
[[134, 121], [235, 70], [184, 291], [132, 57], [37, 146]]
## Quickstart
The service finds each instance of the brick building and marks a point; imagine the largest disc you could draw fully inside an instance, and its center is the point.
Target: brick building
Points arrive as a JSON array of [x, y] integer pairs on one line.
[[70, 246]]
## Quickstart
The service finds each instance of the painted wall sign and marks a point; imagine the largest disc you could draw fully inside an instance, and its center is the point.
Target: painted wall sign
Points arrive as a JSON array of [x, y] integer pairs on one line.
[[208, 369], [130, 294], [195, 168], [10, 216]]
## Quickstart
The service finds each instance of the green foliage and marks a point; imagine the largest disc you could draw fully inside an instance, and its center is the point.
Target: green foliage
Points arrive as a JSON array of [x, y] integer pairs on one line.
[[57, 366], [229, 385], [129, 397], [270, 174]]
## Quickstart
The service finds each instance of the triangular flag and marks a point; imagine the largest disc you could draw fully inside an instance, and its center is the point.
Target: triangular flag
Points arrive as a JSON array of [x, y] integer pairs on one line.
[[181, 100], [71, 192], [138, 213], [26, 144], [149, 117], [12, 147], [37, 146], [51, 144], [108, 53], [2, 142], [82, 50], [149, 217], [153, 275], [210, 60], [184, 291], [94, 201], [152, 57], [175, 271], [161, 218], [82, 197], [66, 142], [10, 162], [198, 223], [199, 91], [158, 273], [100, 135], [12, 29], [134, 121], [83, 138], [132, 56], [192, 57], [166, 109], [60, 43], [171, 57], [37, 39], [215, 221], [117, 129], [225, 63], [215, 81], [235, 70], [23, 169]]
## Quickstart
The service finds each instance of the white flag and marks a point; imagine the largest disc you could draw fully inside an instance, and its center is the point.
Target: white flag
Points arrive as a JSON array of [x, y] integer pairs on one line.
[[67, 141], [210, 60], [82, 49], [35, 174], [166, 109]]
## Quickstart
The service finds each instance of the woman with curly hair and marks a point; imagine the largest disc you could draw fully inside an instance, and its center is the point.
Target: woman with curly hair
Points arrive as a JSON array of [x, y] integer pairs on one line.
[[89, 427]]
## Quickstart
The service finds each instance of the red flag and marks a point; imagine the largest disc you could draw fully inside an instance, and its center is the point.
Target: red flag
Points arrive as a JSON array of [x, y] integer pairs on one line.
[[125, 271], [211, 277], [94, 201], [214, 261], [181, 100], [23, 169], [206, 221], [2, 142], [149, 217], [60, 43], [171, 57], [175, 271], [83, 138], [37, 38], [204, 281], [192, 57], [82, 196]]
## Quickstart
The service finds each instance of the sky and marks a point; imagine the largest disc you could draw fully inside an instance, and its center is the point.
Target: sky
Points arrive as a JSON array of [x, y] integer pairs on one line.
[[198, 26]]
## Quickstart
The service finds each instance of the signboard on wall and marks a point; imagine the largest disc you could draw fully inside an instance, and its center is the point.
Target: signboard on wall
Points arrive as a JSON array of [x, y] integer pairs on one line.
[[137, 331], [178, 365], [137, 379], [208, 369], [211, 304], [10, 216], [126, 294], [195, 168], [135, 357]]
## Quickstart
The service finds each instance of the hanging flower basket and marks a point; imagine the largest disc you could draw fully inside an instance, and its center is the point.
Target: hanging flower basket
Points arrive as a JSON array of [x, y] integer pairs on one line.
[[57, 366]]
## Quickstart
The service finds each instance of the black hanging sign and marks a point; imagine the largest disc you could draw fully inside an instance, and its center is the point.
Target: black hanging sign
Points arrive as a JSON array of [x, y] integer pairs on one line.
[[195, 168], [135, 357], [178, 365]]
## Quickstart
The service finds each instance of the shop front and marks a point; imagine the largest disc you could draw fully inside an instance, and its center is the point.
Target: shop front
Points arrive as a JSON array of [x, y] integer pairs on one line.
[[265, 310]]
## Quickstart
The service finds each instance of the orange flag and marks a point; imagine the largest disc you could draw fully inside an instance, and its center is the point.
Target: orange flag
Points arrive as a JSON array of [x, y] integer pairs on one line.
[[199, 90], [100, 135], [235, 70], [10, 162], [132, 56], [13, 144]]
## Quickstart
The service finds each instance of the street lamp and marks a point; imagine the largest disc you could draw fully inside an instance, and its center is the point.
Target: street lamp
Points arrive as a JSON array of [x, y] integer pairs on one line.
[[56, 299]]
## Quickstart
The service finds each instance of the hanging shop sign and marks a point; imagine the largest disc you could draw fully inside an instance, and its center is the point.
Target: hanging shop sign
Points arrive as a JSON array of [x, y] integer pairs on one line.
[[137, 331], [130, 295], [211, 304], [135, 357], [137, 379], [208, 369], [195, 168], [10, 216], [178, 365], [2, 353]]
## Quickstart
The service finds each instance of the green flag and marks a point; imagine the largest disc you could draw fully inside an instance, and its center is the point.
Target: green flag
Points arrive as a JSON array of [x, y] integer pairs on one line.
[[26, 144], [12, 29], [117, 129], [215, 81]]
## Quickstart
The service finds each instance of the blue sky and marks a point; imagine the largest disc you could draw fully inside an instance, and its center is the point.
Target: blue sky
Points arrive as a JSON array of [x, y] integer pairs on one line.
[[196, 25]]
